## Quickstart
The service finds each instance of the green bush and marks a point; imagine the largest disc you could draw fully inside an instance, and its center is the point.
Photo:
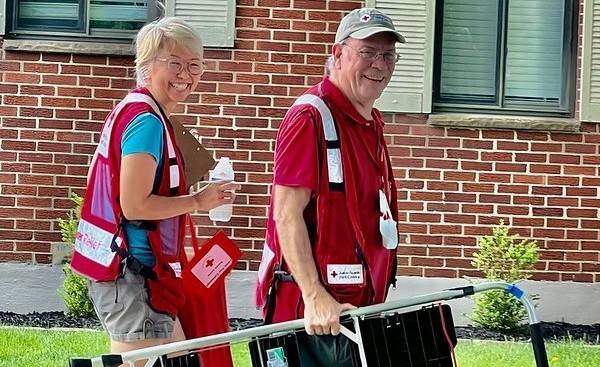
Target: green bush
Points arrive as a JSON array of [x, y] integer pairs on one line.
[[74, 290], [502, 257], [75, 294]]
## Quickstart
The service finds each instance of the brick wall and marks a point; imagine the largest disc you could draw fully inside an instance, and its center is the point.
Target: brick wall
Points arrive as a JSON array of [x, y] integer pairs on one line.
[[453, 183]]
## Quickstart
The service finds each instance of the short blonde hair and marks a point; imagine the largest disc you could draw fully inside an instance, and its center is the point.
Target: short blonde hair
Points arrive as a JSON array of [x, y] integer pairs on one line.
[[161, 33]]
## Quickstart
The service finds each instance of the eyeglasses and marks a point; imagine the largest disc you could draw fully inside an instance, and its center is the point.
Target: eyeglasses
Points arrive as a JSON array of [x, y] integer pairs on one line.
[[176, 66], [372, 56]]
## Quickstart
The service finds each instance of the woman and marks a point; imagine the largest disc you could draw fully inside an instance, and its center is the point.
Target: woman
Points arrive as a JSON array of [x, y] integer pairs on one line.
[[137, 186]]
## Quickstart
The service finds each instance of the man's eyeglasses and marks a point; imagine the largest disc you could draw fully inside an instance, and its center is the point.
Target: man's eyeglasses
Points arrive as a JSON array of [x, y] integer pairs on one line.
[[176, 66], [372, 56]]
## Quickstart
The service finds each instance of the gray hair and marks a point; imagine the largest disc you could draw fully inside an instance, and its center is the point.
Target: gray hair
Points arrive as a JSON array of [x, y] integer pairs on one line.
[[161, 33]]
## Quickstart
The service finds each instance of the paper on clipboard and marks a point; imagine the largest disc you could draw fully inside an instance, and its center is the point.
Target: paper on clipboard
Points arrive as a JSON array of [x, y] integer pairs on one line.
[[198, 161]]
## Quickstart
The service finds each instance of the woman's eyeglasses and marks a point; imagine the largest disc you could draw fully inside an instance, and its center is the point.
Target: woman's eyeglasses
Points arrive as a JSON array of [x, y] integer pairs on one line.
[[176, 66]]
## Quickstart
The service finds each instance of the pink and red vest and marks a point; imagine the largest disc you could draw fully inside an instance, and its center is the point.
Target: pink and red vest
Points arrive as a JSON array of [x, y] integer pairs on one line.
[[101, 215]]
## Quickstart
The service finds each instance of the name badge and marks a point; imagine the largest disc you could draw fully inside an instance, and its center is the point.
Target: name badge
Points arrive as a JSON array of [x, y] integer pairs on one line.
[[176, 268], [345, 274]]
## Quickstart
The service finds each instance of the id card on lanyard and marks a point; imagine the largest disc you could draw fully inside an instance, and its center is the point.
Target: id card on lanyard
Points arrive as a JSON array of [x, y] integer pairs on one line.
[[387, 225]]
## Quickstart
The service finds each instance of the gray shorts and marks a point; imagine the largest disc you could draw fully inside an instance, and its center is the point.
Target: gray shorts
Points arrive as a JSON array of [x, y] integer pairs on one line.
[[123, 310]]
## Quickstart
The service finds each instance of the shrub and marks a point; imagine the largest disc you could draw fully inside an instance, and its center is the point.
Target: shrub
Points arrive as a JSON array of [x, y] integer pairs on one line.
[[502, 257], [74, 290]]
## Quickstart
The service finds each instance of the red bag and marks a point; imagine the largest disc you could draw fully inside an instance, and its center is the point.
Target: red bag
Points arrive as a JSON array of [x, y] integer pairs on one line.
[[165, 292], [205, 309]]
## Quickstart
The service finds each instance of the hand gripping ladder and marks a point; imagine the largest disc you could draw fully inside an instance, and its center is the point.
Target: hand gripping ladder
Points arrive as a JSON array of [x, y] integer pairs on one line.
[[156, 355]]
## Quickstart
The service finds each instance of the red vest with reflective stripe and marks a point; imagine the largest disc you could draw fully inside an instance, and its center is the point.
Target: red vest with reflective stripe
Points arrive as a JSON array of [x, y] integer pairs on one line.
[[101, 213], [378, 261]]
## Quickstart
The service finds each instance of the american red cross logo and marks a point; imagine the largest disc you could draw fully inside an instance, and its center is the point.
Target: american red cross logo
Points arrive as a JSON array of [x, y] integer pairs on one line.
[[365, 18], [209, 263], [334, 274]]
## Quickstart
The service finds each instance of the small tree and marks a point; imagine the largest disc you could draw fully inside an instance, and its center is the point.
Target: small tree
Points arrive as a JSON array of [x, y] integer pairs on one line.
[[74, 291], [502, 257]]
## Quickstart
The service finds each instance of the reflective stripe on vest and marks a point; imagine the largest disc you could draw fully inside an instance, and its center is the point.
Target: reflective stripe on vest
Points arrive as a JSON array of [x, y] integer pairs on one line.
[[107, 131], [335, 170]]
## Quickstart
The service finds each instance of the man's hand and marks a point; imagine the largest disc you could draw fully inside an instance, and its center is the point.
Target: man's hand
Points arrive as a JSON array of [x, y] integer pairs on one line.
[[322, 313]]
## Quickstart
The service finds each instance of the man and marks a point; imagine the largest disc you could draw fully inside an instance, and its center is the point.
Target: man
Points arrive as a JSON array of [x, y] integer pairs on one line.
[[331, 231]]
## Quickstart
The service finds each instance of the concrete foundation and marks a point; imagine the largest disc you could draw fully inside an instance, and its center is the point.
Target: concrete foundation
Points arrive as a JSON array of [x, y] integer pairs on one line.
[[28, 288]]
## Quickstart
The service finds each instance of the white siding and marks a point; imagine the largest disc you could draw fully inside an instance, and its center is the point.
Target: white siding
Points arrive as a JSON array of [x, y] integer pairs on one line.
[[214, 19], [590, 78], [410, 88]]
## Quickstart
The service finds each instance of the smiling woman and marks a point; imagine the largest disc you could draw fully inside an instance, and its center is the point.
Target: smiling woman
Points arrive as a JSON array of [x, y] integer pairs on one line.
[[134, 216]]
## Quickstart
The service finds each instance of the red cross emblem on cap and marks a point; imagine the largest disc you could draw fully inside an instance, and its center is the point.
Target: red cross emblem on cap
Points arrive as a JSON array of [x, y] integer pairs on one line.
[[333, 274], [209, 263], [365, 18]]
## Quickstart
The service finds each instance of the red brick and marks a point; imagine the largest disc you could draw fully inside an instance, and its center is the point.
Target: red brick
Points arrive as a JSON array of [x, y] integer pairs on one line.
[[125, 83], [58, 102], [564, 158], [8, 89], [308, 48], [21, 100], [251, 78], [579, 170], [291, 36], [582, 191], [33, 246], [12, 256], [428, 153], [309, 26], [59, 79], [18, 145], [35, 112], [72, 114], [75, 69], [9, 134], [344, 5], [531, 135], [109, 93], [109, 71], [21, 78], [56, 57], [289, 13]]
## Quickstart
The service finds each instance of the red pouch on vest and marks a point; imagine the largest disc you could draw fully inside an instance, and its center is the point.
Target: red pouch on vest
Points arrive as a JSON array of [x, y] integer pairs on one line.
[[166, 293], [211, 263]]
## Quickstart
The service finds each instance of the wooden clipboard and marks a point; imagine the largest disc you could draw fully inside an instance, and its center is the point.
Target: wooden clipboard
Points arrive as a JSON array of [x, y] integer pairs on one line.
[[198, 161]]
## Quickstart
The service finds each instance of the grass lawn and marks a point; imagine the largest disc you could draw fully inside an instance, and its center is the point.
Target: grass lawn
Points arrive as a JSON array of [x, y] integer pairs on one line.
[[21, 347]]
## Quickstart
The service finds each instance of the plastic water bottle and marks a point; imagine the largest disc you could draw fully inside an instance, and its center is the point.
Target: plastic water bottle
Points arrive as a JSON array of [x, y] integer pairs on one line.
[[223, 171]]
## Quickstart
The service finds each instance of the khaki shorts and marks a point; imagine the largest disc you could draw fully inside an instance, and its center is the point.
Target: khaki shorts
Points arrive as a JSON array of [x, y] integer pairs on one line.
[[123, 310]]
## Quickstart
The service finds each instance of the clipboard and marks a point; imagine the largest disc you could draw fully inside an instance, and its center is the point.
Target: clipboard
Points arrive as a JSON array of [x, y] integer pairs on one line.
[[198, 161]]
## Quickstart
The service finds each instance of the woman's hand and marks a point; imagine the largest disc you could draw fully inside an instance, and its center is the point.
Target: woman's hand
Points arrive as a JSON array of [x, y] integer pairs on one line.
[[215, 194]]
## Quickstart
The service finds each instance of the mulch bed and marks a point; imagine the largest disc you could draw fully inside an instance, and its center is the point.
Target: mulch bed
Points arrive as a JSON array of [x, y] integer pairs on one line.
[[551, 330]]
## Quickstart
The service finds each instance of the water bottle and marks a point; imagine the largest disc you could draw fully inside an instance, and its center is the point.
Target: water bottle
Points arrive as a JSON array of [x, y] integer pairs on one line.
[[223, 171]]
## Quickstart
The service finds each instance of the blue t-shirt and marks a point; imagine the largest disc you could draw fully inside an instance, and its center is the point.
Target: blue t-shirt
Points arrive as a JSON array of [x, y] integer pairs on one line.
[[143, 135]]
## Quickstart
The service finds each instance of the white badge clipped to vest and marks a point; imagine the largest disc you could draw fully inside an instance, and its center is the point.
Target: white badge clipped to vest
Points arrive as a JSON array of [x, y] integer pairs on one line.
[[387, 224]]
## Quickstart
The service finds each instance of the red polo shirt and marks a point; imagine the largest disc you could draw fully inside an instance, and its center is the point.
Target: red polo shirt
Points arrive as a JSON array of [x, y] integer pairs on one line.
[[300, 162]]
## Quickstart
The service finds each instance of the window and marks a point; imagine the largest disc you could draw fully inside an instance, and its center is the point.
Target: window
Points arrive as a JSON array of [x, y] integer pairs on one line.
[[108, 19], [112, 20], [508, 56]]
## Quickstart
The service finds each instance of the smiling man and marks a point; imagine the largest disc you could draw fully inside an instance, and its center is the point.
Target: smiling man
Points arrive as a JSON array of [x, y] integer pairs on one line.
[[331, 233]]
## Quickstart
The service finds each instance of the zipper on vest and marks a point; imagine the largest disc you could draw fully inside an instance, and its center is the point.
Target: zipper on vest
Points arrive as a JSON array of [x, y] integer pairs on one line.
[[363, 261]]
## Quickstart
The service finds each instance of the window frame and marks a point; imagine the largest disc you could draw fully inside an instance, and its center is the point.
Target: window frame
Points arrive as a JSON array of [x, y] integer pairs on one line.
[[120, 36], [569, 58]]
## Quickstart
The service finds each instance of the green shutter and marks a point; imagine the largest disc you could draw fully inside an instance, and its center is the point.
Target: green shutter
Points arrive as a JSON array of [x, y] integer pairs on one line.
[[2, 16], [214, 19], [590, 77], [410, 88]]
